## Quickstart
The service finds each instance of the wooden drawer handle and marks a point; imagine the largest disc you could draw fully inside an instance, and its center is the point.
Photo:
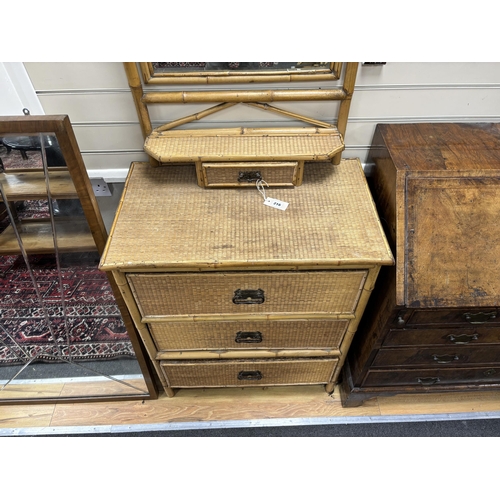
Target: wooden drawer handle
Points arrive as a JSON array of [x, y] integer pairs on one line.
[[463, 338], [480, 317], [444, 358], [248, 296], [250, 375], [249, 176], [248, 338], [428, 380]]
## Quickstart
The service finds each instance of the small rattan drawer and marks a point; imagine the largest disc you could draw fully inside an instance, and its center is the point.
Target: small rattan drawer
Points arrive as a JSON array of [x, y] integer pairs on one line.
[[299, 293], [240, 335], [246, 174], [241, 373]]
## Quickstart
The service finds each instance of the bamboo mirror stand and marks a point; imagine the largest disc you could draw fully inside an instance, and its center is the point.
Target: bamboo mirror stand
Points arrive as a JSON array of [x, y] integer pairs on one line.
[[317, 141]]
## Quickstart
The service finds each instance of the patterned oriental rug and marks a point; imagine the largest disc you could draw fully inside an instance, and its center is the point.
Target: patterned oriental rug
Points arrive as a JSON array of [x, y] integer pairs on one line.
[[93, 328], [85, 326]]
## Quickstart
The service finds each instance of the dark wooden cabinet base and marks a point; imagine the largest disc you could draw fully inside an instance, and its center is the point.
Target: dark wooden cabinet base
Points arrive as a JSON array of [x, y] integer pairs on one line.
[[384, 383], [433, 321]]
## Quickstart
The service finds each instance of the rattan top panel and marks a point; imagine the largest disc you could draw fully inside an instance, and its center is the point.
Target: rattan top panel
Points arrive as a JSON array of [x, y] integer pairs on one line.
[[166, 220], [169, 147]]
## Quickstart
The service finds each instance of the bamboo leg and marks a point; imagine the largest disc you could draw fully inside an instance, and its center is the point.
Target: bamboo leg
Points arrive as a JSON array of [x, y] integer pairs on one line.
[[169, 392], [134, 81], [353, 324], [300, 173], [200, 175], [337, 158], [142, 329], [349, 82]]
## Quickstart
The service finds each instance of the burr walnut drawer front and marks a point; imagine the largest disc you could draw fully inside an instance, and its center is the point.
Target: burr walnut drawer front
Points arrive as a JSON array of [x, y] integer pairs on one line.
[[213, 293], [301, 334], [241, 373], [246, 174], [457, 355], [442, 336], [435, 377]]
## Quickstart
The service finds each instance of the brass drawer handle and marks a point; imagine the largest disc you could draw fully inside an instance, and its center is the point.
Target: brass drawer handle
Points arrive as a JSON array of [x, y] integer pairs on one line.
[[428, 380], [248, 296], [249, 176], [480, 317], [248, 338], [250, 375], [463, 338], [400, 322], [444, 358], [489, 372]]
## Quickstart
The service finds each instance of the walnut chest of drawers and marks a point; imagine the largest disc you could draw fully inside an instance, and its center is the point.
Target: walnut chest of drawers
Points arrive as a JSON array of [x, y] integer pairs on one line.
[[228, 292], [433, 323]]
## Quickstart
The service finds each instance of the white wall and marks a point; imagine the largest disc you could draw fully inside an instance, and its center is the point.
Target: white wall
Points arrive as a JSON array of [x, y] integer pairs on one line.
[[16, 91], [98, 101]]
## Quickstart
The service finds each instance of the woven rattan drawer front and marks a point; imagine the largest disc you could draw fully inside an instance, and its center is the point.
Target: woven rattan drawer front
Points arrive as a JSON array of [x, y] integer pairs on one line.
[[246, 174], [237, 373], [249, 335], [178, 294]]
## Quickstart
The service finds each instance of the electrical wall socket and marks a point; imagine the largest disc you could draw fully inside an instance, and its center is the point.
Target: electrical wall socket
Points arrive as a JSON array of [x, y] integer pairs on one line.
[[100, 187]]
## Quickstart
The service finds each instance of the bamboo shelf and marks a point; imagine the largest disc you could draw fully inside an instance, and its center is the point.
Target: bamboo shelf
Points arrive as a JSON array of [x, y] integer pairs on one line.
[[244, 144]]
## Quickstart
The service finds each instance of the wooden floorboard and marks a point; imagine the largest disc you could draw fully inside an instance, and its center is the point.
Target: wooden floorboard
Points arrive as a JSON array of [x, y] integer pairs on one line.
[[249, 406], [107, 388], [213, 405], [14, 417], [436, 404]]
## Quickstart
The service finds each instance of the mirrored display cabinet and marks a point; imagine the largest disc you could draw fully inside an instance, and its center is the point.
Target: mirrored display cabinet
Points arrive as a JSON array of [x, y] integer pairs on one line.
[[64, 332]]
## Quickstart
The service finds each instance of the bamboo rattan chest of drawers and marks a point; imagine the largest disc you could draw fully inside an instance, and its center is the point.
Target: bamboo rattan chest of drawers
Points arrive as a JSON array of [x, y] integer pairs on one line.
[[228, 292], [433, 324]]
